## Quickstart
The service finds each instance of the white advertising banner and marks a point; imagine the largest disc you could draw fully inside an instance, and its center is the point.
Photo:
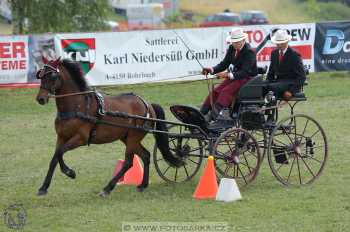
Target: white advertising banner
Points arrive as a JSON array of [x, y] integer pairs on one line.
[[303, 37], [142, 56], [13, 59]]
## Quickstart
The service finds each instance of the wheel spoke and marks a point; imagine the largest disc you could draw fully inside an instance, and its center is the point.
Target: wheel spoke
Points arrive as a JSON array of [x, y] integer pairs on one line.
[[238, 169], [227, 168], [317, 147], [314, 133], [196, 149], [175, 174], [307, 122], [173, 142], [166, 170], [290, 171], [279, 141], [313, 158], [246, 161], [295, 128], [186, 171], [228, 144], [285, 132], [307, 166], [247, 165], [252, 153], [193, 161], [298, 169]]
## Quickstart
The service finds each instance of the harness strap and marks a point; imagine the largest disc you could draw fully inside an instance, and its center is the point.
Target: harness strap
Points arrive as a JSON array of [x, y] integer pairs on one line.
[[147, 114], [100, 103], [66, 115], [70, 94], [100, 112]]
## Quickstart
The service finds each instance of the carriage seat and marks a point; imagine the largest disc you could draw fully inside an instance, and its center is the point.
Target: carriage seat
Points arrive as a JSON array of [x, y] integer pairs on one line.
[[300, 96], [252, 91]]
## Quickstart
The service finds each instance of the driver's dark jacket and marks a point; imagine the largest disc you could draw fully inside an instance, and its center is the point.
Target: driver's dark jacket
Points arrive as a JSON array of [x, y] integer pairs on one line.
[[244, 63]]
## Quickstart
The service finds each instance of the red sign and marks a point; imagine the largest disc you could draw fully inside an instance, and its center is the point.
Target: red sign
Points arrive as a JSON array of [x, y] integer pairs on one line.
[[304, 50]]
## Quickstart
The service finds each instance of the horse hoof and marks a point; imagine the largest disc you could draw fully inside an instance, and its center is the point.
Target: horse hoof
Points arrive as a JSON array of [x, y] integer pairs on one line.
[[42, 192], [103, 194], [71, 174]]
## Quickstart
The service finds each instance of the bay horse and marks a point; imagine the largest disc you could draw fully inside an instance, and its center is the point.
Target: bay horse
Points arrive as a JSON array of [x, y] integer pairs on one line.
[[76, 124]]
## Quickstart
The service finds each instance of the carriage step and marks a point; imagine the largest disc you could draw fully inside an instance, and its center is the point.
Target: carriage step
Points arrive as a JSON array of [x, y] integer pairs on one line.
[[221, 125], [272, 125]]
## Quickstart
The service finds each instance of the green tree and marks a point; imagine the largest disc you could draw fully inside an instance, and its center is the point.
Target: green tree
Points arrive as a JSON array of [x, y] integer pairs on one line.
[[40, 16]]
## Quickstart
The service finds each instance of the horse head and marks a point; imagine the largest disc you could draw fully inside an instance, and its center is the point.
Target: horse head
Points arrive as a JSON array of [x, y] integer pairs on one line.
[[50, 79]]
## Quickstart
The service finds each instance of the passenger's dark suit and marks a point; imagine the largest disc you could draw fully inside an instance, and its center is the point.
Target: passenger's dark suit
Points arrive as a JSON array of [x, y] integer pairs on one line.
[[289, 74]]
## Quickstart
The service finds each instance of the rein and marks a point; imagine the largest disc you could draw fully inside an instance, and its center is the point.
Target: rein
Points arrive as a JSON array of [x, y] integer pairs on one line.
[[70, 94]]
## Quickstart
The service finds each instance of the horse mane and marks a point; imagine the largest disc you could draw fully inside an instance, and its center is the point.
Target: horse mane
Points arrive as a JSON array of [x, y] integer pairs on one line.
[[76, 73]]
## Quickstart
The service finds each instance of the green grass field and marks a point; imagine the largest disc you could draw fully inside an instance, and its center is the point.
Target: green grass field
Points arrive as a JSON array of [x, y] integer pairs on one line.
[[27, 144]]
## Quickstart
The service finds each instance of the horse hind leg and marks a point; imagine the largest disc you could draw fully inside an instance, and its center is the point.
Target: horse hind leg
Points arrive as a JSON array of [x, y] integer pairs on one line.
[[112, 183], [145, 156]]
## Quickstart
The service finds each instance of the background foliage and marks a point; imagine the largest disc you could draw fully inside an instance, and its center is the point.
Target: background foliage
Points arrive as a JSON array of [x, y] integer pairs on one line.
[[42, 16]]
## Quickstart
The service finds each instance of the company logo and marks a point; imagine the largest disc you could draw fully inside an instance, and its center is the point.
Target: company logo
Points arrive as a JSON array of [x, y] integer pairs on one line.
[[335, 42], [80, 50]]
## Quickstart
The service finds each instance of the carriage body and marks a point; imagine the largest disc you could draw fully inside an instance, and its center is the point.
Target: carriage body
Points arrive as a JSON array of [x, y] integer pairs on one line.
[[296, 146]]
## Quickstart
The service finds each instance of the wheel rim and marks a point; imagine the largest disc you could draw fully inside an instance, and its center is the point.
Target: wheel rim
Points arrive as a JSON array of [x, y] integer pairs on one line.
[[237, 156], [189, 150], [297, 150]]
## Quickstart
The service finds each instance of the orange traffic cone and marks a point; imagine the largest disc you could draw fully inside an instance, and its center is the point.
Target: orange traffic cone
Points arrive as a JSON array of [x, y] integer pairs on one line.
[[207, 186], [118, 167], [134, 175]]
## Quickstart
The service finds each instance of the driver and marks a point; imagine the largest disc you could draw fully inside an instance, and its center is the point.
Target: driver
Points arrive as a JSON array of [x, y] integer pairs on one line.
[[240, 60]]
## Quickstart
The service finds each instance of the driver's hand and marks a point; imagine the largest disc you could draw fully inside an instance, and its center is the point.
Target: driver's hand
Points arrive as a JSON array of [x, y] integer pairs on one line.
[[222, 75], [206, 71]]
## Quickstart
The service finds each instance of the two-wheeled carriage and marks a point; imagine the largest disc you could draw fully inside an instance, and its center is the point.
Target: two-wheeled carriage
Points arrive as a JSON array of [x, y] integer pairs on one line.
[[296, 146]]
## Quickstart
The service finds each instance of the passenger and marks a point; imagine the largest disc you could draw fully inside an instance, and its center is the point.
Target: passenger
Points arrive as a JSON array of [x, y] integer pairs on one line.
[[286, 70]]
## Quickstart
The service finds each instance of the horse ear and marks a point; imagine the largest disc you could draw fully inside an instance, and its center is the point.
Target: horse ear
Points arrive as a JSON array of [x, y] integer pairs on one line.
[[45, 61]]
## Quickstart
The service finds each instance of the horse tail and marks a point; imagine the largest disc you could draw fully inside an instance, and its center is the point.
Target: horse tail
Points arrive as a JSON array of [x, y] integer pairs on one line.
[[162, 139]]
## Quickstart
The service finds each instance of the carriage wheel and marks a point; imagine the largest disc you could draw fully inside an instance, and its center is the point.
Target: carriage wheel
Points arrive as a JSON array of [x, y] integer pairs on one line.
[[188, 149], [237, 155], [297, 150]]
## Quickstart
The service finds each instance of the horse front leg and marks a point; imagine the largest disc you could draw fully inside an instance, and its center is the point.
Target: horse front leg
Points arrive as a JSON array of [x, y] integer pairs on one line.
[[65, 169], [72, 143]]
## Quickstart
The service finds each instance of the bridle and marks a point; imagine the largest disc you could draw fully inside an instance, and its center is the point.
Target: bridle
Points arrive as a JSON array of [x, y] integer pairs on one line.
[[52, 69], [47, 69], [43, 72]]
